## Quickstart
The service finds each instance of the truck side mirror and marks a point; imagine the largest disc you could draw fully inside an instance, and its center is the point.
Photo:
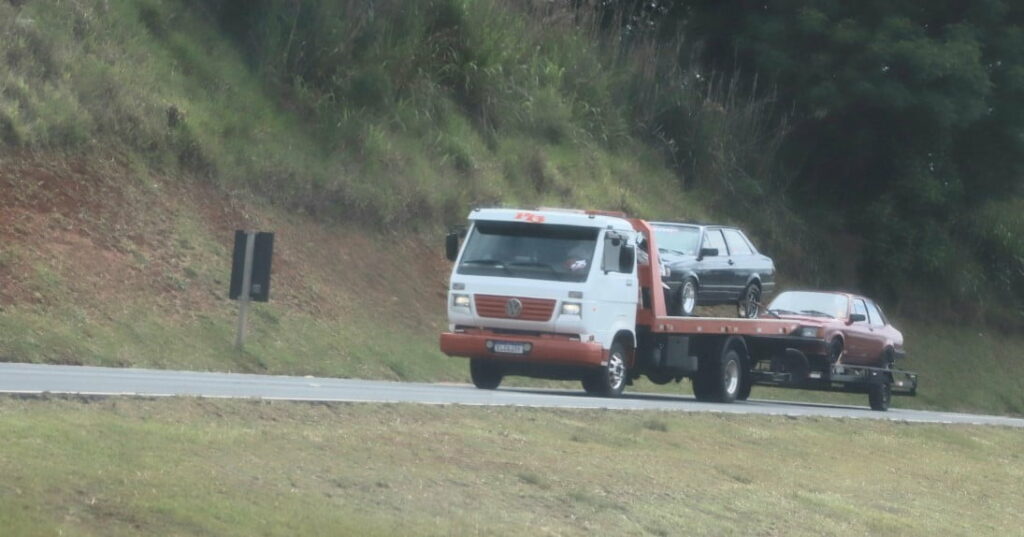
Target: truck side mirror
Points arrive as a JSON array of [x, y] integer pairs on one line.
[[451, 246], [627, 257], [707, 252]]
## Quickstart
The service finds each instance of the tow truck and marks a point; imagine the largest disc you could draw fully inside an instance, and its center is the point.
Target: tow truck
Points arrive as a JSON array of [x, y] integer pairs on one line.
[[578, 295]]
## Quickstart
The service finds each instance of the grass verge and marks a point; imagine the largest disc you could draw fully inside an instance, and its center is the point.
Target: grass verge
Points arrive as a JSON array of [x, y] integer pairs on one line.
[[200, 467]]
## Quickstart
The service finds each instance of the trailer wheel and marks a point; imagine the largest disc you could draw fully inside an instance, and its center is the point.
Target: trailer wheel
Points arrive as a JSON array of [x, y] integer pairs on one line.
[[486, 374], [719, 378], [880, 393], [609, 380]]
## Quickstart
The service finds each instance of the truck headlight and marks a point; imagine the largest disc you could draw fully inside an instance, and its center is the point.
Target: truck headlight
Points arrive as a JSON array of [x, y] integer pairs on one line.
[[571, 308], [460, 301], [807, 331]]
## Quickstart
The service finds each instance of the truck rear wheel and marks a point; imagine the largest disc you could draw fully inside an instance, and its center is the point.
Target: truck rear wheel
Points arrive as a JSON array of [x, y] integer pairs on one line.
[[610, 379], [486, 374], [719, 378], [745, 387]]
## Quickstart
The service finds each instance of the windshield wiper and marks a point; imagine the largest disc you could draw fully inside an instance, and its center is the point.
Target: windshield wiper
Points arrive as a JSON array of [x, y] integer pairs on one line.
[[496, 263], [677, 252], [818, 313], [532, 264], [492, 262]]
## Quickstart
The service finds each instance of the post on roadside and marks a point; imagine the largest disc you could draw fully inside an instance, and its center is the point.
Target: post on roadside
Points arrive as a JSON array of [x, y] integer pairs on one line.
[[250, 274]]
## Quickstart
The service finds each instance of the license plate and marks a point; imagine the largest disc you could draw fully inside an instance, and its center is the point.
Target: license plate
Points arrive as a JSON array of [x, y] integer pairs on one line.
[[505, 347]]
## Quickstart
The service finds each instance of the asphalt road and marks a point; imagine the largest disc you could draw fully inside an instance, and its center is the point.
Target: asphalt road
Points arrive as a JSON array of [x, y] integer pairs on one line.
[[38, 379]]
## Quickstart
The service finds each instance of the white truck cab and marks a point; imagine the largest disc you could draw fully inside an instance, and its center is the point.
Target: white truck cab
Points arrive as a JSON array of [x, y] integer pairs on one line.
[[550, 288]]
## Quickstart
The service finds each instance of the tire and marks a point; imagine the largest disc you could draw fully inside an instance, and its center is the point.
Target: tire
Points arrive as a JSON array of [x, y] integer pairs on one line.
[[610, 379], [746, 307], [686, 298], [835, 351], [719, 378], [745, 388], [486, 374], [880, 393]]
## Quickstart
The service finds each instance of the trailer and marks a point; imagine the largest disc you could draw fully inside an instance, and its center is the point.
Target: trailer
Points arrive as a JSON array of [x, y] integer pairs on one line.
[[599, 316]]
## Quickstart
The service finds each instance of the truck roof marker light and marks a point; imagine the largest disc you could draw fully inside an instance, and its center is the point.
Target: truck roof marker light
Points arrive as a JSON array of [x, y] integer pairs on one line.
[[618, 214]]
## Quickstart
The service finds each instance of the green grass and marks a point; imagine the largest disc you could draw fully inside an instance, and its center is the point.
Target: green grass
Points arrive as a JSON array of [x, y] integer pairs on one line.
[[278, 342], [199, 467]]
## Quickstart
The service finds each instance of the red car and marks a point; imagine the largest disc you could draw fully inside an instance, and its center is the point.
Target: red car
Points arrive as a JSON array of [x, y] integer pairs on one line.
[[841, 328]]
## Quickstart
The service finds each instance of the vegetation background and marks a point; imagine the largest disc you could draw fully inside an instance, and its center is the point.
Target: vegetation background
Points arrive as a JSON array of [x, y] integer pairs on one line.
[[873, 146]]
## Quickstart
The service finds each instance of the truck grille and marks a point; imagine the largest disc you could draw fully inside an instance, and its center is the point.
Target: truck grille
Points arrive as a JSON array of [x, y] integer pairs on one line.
[[534, 309]]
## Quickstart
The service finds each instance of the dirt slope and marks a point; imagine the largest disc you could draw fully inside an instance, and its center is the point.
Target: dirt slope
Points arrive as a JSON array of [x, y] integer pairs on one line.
[[99, 239]]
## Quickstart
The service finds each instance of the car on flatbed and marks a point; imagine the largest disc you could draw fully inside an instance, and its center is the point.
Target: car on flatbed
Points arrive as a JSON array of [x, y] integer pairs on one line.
[[711, 265], [853, 327]]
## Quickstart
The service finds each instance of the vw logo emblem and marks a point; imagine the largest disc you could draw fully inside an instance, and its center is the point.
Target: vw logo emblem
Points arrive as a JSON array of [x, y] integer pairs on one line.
[[513, 307]]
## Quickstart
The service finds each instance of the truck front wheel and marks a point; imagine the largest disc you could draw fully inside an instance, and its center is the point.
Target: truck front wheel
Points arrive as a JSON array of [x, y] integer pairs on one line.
[[486, 375], [610, 379]]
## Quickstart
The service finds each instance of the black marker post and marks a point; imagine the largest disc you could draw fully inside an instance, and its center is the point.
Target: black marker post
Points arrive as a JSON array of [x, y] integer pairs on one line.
[[250, 274]]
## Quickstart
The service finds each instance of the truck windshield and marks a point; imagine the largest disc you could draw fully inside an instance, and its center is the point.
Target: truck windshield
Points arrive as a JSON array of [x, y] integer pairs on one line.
[[681, 240], [534, 251]]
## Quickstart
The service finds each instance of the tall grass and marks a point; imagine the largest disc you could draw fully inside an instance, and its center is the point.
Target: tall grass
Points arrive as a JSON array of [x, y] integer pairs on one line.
[[398, 112]]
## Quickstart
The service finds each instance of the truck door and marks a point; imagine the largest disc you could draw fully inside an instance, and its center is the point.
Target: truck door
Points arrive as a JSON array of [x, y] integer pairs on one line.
[[614, 288]]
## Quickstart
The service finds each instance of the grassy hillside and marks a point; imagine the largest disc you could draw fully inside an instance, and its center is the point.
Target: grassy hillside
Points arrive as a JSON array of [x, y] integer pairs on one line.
[[136, 136]]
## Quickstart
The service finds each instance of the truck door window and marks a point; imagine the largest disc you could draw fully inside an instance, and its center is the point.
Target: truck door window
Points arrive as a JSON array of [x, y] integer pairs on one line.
[[528, 250], [713, 239], [737, 246], [613, 245]]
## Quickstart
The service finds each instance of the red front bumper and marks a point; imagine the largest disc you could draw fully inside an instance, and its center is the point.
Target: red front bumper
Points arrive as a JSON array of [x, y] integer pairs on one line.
[[552, 350]]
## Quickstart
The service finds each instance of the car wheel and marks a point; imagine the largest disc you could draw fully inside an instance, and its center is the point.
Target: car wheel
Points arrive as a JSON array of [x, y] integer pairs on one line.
[[747, 306], [835, 351], [610, 379], [686, 299], [486, 374]]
